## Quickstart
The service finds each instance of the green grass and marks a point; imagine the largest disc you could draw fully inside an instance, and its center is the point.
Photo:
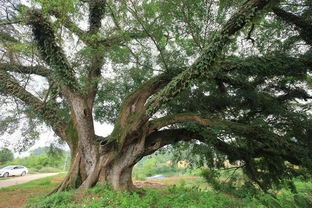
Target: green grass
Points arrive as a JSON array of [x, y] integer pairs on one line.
[[174, 197], [186, 194], [103, 196], [39, 183], [44, 182], [19, 194]]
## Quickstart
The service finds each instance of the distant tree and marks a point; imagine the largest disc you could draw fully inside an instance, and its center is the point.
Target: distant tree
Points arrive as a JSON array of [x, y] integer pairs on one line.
[[40, 151], [6, 156], [48, 150]]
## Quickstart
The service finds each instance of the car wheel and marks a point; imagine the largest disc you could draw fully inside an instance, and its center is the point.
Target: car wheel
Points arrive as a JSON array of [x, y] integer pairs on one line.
[[5, 175], [23, 173]]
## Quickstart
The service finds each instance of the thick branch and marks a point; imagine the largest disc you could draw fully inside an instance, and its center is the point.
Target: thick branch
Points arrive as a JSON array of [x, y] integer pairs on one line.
[[135, 102], [179, 118], [132, 114], [205, 65], [38, 70], [189, 117], [96, 13], [49, 49], [158, 139]]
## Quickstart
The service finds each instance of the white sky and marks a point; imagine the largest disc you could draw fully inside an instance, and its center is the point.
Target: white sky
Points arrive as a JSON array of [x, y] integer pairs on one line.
[[35, 85], [46, 138]]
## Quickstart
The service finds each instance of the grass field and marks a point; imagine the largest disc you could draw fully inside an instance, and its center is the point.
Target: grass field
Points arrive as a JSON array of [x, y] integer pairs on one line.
[[16, 196], [171, 192]]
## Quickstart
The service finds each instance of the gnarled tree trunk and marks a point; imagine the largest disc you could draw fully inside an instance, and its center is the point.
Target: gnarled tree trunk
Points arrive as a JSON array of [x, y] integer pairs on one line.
[[112, 166]]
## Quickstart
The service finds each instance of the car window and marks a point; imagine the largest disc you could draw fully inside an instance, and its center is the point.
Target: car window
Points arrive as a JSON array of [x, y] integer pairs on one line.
[[8, 167]]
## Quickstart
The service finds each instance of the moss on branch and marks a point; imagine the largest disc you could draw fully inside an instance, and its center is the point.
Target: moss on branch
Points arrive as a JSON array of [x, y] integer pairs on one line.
[[49, 49], [205, 65]]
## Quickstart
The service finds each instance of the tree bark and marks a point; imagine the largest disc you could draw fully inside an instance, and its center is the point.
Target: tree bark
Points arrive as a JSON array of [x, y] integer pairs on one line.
[[112, 166]]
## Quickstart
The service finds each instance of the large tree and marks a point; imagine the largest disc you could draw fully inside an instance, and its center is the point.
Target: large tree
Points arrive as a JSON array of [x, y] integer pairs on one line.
[[163, 72]]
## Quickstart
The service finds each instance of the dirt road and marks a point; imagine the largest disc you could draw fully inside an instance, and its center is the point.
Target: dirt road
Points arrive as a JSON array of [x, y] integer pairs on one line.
[[11, 181]]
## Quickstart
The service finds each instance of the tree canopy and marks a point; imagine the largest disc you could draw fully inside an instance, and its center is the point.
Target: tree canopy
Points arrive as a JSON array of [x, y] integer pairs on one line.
[[233, 77]]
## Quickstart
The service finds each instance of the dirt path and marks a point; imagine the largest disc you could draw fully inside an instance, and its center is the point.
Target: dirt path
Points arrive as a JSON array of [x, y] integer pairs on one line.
[[23, 179]]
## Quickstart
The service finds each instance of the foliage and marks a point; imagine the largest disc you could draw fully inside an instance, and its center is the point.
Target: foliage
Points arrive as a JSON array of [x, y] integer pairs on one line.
[[36, 188], [230, 182], [45, 183], [6, 155], [296, 194]]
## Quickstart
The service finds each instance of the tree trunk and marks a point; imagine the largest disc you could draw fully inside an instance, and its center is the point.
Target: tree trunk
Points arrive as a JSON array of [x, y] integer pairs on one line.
[[118, 172], [113, 167]]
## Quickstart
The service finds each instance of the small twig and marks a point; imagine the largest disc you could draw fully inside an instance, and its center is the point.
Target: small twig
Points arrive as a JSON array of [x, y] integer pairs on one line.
[[250, 33], [228, 178]]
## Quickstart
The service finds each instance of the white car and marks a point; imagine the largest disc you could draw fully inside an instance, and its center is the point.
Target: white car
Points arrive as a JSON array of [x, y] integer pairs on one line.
[[155, 177], [13, 170]]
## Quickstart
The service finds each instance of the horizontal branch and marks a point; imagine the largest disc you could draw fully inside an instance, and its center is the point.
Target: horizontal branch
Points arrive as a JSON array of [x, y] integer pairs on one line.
[[241, 153], [190, 117], [179, 118], [158, 139], [88, 37], [38, 70]]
